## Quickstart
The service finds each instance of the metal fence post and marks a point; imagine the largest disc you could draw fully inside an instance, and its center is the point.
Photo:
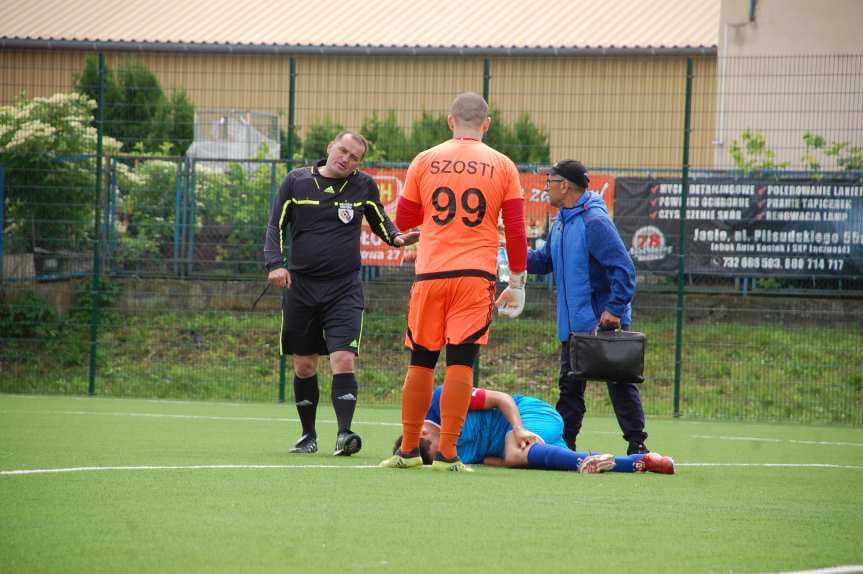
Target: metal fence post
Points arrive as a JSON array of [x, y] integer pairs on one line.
[[486, 78], [2, 217], [111, 213], [191, 183], [681, 252], [178, 218], [274, 186], [486, 87], [292, 107], [94, 286]]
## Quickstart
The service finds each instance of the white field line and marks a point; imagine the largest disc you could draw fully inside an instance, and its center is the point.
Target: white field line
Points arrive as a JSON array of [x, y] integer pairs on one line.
[[830, 570], [181, 467], [103, 398], [761, 439], [193, 417], [386, 424], [770, 464], [30, 471]]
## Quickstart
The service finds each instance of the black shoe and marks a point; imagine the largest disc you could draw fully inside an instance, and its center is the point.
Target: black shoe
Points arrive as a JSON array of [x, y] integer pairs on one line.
[[308, 444], [637, 447], [348, 443]]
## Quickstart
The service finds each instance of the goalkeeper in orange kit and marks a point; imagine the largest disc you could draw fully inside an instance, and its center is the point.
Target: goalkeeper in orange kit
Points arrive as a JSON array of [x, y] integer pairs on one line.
[[456, 191]]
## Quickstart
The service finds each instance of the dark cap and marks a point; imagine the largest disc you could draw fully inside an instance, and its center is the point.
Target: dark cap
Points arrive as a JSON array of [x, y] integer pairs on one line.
[[572, 170]]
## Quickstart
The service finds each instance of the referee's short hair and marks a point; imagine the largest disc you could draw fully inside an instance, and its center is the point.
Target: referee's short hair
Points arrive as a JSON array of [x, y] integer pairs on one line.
[[354, 135]]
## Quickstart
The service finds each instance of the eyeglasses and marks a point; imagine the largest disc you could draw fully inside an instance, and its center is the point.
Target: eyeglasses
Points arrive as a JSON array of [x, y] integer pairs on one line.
[[549, 181]]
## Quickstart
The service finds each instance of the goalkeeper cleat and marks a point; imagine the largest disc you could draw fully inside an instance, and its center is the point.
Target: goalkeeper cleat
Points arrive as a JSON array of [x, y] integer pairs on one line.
[[596, 463], [402, 460], [655, 462], [637, 447], [347, 443], [449, 464], [308, 444]]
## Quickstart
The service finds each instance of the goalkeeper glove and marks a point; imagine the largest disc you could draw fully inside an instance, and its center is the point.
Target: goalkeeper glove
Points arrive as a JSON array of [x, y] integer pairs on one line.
[[511, 301]]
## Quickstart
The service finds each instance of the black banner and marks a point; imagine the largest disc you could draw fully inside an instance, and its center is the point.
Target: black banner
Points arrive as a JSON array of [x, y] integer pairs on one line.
[[744, 227]]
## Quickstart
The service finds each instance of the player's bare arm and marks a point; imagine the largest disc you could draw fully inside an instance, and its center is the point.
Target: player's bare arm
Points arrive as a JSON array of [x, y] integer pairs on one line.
[[507, 407]]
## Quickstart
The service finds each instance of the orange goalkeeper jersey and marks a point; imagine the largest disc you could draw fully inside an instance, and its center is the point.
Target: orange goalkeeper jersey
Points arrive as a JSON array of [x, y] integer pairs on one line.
[[461, 185]]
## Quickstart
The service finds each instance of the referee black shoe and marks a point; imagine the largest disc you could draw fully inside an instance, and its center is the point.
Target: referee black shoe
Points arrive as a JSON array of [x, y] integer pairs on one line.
[[308, 444], [347, 443], [637, 447]]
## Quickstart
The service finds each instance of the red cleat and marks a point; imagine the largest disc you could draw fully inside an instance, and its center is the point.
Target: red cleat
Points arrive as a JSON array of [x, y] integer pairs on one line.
[[655, 462]]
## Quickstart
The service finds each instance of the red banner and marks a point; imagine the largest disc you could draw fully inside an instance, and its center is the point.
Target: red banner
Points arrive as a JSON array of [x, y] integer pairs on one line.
[[373, 250], [537, 211]]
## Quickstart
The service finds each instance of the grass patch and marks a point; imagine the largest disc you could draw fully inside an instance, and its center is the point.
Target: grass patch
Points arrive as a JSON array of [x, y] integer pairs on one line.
[[765, 507], [740, 369]]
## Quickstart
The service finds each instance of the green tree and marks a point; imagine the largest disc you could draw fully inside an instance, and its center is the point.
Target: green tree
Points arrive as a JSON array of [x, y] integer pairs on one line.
[[429, 130], [842, 154], [499, 134], [530, 142], [318, 136], [283, 148], [174, 123], [753, 156], [136, 108], [387, 140], [523, 142]]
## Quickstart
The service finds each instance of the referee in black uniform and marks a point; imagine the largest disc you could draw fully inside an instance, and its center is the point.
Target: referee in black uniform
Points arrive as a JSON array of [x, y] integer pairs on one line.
[[322, 303]]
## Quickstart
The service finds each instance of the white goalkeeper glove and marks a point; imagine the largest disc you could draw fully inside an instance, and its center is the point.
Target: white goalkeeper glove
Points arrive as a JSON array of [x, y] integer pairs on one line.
[[511, 301]]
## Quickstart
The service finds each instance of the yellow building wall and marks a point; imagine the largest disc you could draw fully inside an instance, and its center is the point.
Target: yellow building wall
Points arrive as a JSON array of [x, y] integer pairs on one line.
[[621, 112]]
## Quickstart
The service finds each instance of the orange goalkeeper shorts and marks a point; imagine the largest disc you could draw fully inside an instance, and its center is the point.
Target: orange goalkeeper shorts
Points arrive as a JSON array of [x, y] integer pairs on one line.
[[450, 311]]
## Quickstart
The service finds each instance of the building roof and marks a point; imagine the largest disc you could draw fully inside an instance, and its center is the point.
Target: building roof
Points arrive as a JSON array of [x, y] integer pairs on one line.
[[372, 26]]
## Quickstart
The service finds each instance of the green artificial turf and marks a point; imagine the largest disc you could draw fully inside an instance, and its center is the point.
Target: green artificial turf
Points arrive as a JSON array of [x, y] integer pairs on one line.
[[321, 513]]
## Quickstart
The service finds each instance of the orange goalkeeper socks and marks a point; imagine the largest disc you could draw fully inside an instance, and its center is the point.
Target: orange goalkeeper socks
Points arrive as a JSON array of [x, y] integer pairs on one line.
[[416, 398], [454, 402]]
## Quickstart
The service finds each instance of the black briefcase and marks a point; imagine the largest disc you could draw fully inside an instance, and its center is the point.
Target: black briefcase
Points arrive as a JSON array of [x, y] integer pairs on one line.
[[612, 356]]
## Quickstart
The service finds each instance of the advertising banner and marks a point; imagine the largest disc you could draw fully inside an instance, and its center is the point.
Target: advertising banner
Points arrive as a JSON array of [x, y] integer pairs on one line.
[[537, 212], [744, 226]]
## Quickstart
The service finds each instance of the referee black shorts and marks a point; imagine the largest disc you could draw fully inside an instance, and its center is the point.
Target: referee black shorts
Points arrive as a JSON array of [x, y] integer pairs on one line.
[[322, 315]]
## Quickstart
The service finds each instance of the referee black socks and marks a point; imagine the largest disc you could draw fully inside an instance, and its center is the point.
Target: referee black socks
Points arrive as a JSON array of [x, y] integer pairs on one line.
[[306, 396], [344, 396]]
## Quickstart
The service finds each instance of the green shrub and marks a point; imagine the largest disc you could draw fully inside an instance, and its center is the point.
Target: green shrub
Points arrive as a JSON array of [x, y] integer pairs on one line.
[[752, 157], [49, 197], [148, 198], [843, 155], [523, 141], [28, 316], [318, 136], [80, 313], [429, 130], [387, 141], [240, 199]]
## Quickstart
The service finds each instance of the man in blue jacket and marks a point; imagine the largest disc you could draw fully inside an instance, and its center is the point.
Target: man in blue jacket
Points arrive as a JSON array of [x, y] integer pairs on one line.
[[595, 281]]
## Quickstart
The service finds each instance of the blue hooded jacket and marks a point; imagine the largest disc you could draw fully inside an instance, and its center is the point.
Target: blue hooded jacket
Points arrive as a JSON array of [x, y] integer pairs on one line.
[[593, 271]]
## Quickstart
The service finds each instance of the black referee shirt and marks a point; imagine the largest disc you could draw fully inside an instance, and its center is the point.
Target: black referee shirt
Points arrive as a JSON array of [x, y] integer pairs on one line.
[[325, 216]]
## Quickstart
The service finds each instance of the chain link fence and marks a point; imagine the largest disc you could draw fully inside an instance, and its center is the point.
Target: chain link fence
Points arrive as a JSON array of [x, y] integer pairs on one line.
[[136, 193]]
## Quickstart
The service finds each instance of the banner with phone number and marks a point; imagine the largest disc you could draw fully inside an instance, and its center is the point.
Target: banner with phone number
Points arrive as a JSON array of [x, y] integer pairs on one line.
[[744, 226]]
